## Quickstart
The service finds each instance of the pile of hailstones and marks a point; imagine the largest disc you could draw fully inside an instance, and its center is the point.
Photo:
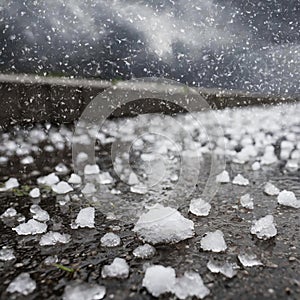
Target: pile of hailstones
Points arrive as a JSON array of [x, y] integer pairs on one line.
[[247, 130], [158, 225]]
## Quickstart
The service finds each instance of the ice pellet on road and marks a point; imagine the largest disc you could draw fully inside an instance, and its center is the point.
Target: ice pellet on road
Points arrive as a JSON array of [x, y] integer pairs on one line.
[[163, 225], [288, 198], [61, 168], [269, 156], [81, 157], [190, 285], [213, 241], [10, 184], [240, 180], [110, 240], [91, 169], [6, 254], [270, 189], [50, 260], [89, 188], [255, 166], [35, 193], [292, 165], [249, 260], [38, 213], [74, 179], [62, 188], [48, 180], [227, 269], [31, 227], [84, 291], [223, 177], [85, 218], [105, 178], [144, 251], [9, 213], [159, 280], [264, 228], [246, 201], [52, 238], [199, 207], [139, 189], [22, 284], [117, 269], [133, 179]]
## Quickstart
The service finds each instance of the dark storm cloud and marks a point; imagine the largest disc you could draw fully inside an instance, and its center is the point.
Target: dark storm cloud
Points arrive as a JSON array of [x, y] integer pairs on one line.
[[251, 45]]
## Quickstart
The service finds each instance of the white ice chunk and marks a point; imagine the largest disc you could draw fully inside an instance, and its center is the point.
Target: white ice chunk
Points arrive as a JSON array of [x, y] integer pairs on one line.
[[39, 214], [6, 254], [52, 238], [117, 269], [50, 260], [163, 224], [139, 189], [91, 169], [148, 156], [115, 192], [174, 177], [159, 280], [190, 285], [246, 201], [105, 178], [255, 166], [35, 193], [295, 155], [89, 188], [49, 148], [292, 165], [81, 157], [133, 179], [199, 207], [249, 260], [288, 198], [144, 251], [240, 180], [63, 200], [245, 154], [61, 168], [285, 154], [223, 177], [74, 179], [264, 228], [213, 241], [287, 145], [31, 227], [285, 149], [84, 291], [271, 189], [269, 156], [27, 160], [48, 180], [110, 240], [227, 269], [85, 218], [9, 213], [62, 188], [3, 159], [10, 184], [22, 284]]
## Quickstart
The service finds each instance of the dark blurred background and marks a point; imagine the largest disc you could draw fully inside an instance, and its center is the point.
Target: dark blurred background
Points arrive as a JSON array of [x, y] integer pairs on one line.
[[247, 45]]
